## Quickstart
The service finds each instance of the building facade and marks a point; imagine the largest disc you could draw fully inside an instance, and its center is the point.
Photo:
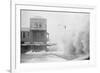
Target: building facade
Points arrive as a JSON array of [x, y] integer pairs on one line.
[[35, 37]]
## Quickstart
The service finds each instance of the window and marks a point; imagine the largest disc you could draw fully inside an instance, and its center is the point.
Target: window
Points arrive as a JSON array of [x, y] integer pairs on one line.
[[23, 34]]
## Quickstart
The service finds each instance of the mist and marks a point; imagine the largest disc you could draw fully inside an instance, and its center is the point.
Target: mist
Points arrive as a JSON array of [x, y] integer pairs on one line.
[[69, 31]]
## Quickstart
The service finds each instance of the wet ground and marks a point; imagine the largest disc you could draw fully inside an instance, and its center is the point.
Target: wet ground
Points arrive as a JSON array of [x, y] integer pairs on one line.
[[43, 57], [31, 57]]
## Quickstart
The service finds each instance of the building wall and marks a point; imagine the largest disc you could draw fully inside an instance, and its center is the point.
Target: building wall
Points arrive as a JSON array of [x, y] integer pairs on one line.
[[38, 23], [38, 29]]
